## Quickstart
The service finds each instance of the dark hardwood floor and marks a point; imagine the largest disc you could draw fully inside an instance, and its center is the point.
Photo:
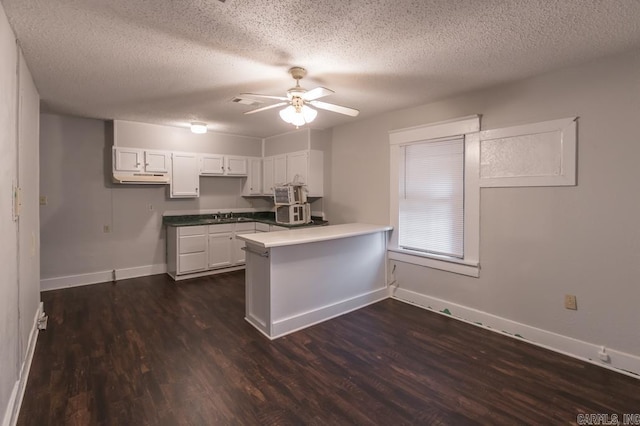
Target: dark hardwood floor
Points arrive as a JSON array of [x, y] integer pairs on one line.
[[150, 351]]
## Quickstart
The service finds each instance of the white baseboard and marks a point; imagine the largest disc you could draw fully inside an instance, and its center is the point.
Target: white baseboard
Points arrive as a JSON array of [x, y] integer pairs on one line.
[[140, 271], [75, 280], [101, 277], [620, 362], [206, 273], [17, 395], [294, 323]]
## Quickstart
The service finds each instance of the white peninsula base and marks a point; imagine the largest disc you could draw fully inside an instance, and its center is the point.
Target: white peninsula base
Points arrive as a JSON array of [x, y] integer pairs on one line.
[[301, 277]]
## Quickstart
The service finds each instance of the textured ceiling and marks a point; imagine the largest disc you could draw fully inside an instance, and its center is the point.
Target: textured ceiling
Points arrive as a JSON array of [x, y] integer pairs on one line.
[[171, 62]]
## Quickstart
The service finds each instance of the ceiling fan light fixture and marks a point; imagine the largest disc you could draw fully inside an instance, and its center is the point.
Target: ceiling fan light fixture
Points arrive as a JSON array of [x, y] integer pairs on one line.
[[309, 114], [199, 128], [298, 116], [298, 112], [287, 114], [298, 120]]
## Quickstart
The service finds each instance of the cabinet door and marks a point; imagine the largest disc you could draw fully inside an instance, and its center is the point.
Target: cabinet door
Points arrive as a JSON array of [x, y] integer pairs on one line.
[[280, 170], [236, 166], [262, 227], [192, 244], [239, 255], [220, 250], [212, 164], [253, 184], [267, 176], [192, 262], [127, 160], [184, 175], [298, 167], [156, 161]]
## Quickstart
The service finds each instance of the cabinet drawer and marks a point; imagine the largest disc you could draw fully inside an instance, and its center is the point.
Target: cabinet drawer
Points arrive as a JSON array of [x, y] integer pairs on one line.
[[244, 226], [262, 227], [192, 230], [225, 227], [192, 244], [192, 262]]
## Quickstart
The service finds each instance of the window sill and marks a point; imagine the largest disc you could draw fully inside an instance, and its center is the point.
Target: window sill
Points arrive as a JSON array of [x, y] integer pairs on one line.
[[457, 266]]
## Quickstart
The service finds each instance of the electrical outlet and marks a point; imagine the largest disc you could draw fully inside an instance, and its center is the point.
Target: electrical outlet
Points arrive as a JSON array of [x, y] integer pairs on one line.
[[570, 302], [106, 229]]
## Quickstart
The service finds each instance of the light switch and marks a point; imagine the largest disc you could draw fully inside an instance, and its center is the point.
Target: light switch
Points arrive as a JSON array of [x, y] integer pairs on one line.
[[43, 200]]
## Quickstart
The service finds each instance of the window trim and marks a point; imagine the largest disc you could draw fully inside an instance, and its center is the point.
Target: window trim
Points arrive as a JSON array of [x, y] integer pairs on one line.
[[469, 128]]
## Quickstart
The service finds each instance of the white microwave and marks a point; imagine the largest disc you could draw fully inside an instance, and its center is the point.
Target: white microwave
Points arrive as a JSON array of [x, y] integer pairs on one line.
[[294, 214], [289, 194]]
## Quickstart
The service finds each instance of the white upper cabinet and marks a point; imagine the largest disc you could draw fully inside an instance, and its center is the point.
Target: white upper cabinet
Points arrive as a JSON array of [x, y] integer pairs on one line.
[[134, 165], [235, 166], [267, 176], [298, 154], [298, 167], [253, 183], [307, 167], [274, 173], [212, 165], [185, 179], [222, 165], [279, 169], [127, 160], [156, 161]]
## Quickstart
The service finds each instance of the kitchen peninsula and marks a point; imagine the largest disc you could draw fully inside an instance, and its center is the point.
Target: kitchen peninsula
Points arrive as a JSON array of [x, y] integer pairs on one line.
[[300, 277]]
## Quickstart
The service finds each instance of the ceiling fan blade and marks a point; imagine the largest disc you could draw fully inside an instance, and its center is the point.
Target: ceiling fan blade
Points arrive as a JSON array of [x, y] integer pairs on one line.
[[335, 108], [255, 95], [267, 107], [317, 93]]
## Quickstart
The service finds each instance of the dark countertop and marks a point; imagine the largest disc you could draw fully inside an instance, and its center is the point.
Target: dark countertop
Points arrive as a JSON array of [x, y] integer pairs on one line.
[[216, 219]]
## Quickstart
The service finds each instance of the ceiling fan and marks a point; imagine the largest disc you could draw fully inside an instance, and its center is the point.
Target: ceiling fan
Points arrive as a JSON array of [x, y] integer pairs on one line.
[[298, 101]]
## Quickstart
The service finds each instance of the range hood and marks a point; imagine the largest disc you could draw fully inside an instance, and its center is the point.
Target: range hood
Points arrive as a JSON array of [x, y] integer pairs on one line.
[[141, 178]]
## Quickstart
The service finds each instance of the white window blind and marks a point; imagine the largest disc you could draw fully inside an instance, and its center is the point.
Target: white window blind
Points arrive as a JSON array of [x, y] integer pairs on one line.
[[431, 210]]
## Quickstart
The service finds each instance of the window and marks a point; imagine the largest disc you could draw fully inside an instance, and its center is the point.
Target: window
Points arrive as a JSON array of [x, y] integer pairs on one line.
[[435, 195], [431, 205]]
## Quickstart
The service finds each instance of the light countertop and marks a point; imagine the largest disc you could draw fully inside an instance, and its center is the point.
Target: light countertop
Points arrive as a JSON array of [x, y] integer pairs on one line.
[[311, 235]]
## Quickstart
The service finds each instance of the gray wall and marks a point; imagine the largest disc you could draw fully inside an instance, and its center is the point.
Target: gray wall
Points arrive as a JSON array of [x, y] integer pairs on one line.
[[536, 243], [131, 134], [76, 179], [19, 251]]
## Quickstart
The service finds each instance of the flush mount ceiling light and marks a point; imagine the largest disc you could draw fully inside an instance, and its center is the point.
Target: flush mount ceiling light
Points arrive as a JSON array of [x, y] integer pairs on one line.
[[298, 112], [199, 128]]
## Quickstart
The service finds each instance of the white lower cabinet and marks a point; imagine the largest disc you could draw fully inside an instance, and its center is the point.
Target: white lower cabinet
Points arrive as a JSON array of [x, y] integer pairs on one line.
[[221, 245], [201, 250], [262, 227], [192, 249]]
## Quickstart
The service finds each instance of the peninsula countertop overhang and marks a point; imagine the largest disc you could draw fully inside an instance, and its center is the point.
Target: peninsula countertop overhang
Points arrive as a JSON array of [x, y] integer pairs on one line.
[[311, 235]]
